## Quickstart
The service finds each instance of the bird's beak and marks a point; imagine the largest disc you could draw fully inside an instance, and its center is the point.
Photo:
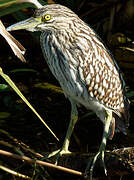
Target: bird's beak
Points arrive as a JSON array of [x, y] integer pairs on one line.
[[28, 24]]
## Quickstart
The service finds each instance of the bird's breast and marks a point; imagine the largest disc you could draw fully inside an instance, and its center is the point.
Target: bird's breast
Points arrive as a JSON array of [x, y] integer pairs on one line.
[[63, 64]]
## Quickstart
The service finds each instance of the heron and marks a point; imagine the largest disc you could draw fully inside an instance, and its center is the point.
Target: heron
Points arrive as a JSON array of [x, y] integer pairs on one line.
[[85, 69]]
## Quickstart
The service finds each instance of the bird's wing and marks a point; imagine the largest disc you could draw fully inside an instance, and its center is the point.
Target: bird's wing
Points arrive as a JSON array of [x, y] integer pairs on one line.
[[102, 77]]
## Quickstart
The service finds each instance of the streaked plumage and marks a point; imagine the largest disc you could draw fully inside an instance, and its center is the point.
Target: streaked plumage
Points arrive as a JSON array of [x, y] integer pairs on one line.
[[85, 69], [83, 66]]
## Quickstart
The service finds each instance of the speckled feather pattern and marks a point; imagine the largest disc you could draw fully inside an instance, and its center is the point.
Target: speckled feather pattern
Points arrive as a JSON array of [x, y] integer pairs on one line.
[[80, 62]]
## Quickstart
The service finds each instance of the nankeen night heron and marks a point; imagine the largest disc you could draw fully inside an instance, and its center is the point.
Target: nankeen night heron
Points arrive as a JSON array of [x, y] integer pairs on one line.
[[85, 69]]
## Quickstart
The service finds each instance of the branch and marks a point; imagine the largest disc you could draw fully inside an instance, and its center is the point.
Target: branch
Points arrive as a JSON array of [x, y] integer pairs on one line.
[[14, 172], [118, 162], [32, 161]]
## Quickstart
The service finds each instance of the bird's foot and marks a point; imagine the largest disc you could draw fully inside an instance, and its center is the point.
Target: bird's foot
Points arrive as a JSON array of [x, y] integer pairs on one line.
[[91, 164], [58, 153]]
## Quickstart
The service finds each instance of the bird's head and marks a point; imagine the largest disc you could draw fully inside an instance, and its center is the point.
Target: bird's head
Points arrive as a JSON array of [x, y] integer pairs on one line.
[[49, 17]]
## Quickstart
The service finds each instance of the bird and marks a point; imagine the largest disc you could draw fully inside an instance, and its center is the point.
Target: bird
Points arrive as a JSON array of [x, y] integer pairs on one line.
[[85, 69]]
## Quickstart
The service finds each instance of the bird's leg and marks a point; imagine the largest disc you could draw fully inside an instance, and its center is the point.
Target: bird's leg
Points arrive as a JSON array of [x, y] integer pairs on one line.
[[73, 120], [100, 153]]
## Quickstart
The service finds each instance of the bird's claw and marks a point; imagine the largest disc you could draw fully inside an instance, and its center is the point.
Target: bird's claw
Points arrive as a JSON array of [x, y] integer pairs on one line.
[[58, 153], [91, 164]]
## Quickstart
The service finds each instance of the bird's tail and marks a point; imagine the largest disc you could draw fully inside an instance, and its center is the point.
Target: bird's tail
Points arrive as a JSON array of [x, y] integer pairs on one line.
[[120, 120]]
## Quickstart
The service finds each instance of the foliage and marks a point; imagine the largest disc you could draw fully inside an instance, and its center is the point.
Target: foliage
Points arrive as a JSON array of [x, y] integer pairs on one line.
[[11, 6]]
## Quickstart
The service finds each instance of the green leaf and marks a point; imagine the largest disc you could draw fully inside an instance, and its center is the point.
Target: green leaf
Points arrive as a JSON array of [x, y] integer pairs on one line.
[[130, 94], [4, 115], [10, 6], [49, 86], [14, 7], [23, 70], [4, 87], [5, 3]]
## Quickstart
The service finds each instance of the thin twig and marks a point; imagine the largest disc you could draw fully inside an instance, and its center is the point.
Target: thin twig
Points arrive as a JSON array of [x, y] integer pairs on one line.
[[32, 161], [127, 48], [14, 172], [15, 88]]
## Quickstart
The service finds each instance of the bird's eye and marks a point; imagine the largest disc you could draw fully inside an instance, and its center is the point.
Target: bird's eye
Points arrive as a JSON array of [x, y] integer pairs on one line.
[[47, 17]]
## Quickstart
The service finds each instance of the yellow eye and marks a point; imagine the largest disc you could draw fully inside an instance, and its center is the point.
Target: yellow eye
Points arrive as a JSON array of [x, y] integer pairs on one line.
[[47, 17]]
